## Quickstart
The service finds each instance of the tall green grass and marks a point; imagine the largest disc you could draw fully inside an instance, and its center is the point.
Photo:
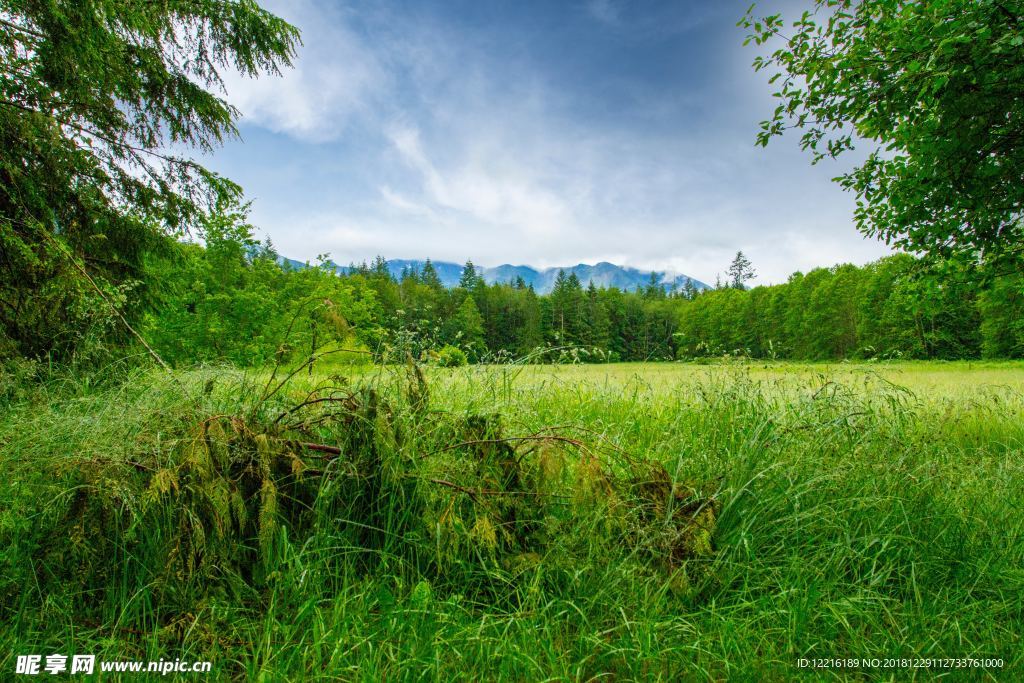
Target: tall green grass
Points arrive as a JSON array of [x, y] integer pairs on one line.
[[801, 517]]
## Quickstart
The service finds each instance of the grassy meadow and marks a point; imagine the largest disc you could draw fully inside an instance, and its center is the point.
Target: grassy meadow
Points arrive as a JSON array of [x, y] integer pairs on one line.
[[670, 521]]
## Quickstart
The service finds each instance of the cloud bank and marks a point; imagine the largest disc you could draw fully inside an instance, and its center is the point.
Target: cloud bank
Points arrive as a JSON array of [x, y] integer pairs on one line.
[[544, 134]]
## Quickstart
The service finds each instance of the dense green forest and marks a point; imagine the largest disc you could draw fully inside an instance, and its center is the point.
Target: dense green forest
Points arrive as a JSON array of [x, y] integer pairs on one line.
[[233, 301]]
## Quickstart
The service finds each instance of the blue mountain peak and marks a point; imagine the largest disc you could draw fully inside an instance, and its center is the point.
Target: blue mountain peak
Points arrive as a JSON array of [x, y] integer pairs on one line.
[[602, 274]]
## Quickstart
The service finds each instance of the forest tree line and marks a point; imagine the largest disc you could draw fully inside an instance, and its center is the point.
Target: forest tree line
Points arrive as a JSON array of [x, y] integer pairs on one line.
[[233, 300]]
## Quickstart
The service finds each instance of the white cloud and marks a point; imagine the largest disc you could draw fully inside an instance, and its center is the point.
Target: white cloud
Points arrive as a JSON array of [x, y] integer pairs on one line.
[[488, 185], [405, 205], [335, 78], [466, 155]]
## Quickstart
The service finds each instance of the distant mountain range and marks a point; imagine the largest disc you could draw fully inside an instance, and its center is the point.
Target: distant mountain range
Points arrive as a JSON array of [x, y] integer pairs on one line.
[[601, 274]]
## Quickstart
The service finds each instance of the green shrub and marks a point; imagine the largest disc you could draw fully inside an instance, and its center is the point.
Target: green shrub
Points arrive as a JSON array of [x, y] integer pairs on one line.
[[451, 357]]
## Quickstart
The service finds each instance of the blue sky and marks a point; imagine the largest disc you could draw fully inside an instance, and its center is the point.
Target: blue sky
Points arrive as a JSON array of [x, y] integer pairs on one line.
[[540, 133]]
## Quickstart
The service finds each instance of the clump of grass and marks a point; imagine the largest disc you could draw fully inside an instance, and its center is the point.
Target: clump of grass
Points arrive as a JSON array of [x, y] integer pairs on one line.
[[221, 489]]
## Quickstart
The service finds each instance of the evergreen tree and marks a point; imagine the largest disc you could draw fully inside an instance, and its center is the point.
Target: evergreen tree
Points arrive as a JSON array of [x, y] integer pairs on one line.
[[595, 324], [380, 268], [470, 279], [531, 335], [740, 270], [430, 277], [690, 290], [267, 251], [560, 281], [567, 309], [93, 95], [654, 290]]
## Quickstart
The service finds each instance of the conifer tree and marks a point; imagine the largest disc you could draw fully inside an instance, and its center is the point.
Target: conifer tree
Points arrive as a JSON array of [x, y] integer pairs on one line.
[[740, 270], [380, 268], [470, 279], [567, 308], [430, 277], [596, 321], [93, 96], [654, 290], [689, 290]]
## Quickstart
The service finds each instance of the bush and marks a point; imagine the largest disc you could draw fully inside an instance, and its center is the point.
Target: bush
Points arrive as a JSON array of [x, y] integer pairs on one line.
[[451, 357], [213, 488]]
